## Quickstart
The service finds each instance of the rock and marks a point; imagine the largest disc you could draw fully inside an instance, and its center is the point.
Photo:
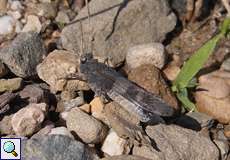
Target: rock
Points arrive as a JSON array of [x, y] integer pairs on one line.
[[28, 120], [226, 65], [47, 10], [62, 17], [3, 70], [213, 97], [114, 145], [125, 157], [48, 126], [53, 73], [74, 85], [55, 147], [7, 25], [86, 108], [85, 127], [146, 54], [10, 84], [5, 100], [171, 71], [195, 121], [33, 94], [61, 131], [176, 142], [68, 105], [24, 54], [149, 77], [5, 125], [127, 24], [68, 95], [16, 5], [33, 24], [223, 148], [147, 152], [97, 109], [3, 7]]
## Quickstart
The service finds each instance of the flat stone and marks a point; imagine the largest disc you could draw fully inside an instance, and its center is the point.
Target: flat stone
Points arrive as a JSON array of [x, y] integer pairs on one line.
[[5, 100], [23, 54], [146, 54], [33, 94], [176, 142], [55, 147], [53, 73], [13, 84], [126, 24], [87, 128]]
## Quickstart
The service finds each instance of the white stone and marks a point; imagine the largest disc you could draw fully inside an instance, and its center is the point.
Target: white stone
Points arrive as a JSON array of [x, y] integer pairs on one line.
[[113, 144], [33, 24], [16, 5], [61, 131], [152, 53], [7, 24]]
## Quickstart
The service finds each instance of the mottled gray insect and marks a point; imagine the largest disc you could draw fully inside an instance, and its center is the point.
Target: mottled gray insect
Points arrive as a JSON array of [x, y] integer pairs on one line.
[[107, 82]]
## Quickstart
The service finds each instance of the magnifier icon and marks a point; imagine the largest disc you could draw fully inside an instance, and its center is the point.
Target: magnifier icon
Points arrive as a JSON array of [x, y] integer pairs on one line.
[[9, 147]]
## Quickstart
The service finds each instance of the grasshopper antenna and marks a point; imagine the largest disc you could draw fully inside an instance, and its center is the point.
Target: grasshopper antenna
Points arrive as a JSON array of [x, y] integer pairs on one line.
[[90, 28]]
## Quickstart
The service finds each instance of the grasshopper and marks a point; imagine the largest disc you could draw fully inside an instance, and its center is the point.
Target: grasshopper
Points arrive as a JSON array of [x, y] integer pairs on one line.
[[108, 83]]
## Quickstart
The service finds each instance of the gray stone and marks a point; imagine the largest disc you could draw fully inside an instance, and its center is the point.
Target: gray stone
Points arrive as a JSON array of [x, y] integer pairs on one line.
[[55, 147], [87, 128], [62, 17], [152, 53], [176, 142], [118, 25], [33, 94], [24, 54], [7, 25]]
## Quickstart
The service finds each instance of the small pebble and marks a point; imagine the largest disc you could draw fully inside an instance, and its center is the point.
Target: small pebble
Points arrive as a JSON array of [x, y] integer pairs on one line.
[[62, 17], [89, 129], [5, 125], [7, 25], [16, 5], [227, 131], [114, 145], [3, 6], [97, 108], [33, 24], [152, 54]]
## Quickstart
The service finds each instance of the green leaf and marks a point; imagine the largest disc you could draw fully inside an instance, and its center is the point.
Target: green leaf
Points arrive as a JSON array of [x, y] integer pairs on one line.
[[195, 63]]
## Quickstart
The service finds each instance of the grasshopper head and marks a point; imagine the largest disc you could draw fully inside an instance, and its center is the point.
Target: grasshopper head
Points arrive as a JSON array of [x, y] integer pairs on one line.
[[86, 57]]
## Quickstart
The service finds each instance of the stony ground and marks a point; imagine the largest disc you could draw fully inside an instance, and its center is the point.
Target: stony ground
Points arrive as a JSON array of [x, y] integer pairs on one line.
[[147, 41]]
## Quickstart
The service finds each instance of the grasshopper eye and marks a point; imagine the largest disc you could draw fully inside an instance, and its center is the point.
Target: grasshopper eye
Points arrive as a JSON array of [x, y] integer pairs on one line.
[[83, 59]]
